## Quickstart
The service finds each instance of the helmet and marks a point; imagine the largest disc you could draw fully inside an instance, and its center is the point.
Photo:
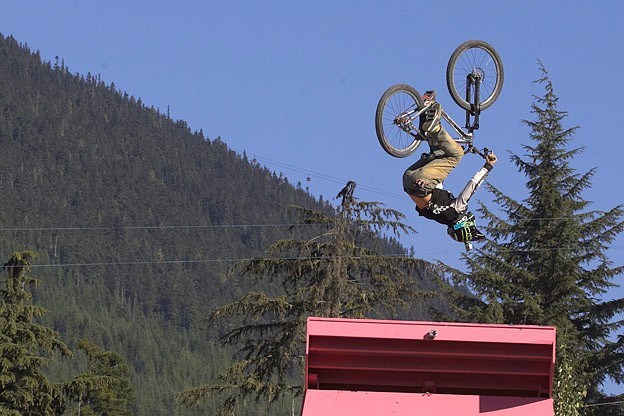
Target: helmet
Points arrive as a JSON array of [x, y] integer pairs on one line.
[[465, 229]]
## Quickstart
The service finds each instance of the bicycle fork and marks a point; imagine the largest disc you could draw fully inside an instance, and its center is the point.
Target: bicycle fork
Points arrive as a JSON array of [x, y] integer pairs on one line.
[[473, 78]]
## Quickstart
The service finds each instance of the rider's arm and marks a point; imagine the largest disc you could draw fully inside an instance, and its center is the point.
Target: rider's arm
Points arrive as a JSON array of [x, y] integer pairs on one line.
[[461, 202]]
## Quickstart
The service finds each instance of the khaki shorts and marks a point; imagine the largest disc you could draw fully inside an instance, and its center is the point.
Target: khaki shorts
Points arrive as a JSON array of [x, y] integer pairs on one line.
[[430, 169]]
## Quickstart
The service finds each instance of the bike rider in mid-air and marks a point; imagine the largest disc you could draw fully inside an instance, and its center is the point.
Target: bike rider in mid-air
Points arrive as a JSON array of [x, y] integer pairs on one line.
[[423, 180]]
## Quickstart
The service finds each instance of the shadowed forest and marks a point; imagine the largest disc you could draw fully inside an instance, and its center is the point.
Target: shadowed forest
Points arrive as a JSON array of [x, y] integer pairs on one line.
[[136, 220]]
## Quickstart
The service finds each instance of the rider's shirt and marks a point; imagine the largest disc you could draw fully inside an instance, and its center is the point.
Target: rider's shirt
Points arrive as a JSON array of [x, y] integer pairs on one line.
[[444, 208], [440, 207]]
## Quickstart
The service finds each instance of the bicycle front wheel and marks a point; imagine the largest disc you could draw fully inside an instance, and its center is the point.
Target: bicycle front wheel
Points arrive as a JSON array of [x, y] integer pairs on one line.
[[393, 120], [478, 58]]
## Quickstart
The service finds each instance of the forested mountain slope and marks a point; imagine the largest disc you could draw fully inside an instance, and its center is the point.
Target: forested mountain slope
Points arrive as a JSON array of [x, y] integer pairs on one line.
[[131, 213]]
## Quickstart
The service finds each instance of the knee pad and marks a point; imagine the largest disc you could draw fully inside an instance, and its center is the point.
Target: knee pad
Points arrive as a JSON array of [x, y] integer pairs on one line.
[[419, 188]]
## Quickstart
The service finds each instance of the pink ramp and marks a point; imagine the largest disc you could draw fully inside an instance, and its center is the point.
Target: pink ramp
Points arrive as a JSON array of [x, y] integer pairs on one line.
[[370, 367]]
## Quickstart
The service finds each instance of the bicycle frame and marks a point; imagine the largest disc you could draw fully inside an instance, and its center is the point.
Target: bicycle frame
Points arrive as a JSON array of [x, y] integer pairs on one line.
[[465, 137], [406, 120]]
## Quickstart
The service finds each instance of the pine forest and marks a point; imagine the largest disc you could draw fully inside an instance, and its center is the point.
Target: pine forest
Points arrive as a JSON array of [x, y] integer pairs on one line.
[[135, 221], [150, 270]]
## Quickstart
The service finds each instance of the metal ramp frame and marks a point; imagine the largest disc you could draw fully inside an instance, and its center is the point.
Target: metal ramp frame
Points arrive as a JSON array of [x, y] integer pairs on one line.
[[373, 367]]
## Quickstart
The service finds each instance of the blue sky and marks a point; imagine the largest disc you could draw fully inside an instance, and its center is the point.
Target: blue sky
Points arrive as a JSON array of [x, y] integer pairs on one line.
[[296, 84]]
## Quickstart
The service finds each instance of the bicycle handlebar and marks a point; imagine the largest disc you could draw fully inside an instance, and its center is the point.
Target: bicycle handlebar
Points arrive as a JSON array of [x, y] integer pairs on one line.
[[483, 153]]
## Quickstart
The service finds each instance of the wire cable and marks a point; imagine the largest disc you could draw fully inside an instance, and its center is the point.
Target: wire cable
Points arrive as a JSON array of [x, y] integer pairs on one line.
[[234, 260], [322, 175], [605, 403], [152, 227], [226, 226]]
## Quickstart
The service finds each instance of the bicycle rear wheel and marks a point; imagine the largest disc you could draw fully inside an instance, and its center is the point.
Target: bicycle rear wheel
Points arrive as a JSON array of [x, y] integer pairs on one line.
[[479, 58], [393, 124]]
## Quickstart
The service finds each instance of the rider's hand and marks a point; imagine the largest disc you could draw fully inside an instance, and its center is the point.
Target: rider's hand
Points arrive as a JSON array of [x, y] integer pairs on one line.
[[491, 158]]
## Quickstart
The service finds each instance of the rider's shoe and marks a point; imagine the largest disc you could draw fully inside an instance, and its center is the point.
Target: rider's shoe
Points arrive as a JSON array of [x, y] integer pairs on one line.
[[429, 95], [430, 119]]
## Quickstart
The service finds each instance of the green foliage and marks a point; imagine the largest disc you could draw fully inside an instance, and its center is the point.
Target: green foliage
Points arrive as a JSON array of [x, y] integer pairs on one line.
[[337, 273], [105, 387], [25, 346], [82, 164], [83, 168], [546, 263], [569, 386]]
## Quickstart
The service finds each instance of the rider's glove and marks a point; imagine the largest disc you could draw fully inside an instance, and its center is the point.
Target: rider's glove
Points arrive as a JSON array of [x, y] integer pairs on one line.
[[490, 160]]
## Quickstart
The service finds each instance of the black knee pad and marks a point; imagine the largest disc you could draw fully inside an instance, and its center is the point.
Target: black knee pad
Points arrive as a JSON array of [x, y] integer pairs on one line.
[[418, 188]]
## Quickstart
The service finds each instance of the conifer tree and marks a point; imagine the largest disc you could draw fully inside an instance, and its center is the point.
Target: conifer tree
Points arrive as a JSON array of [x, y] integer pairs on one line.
[[337, 273], [105, 387], [25, 346], [546, 264]]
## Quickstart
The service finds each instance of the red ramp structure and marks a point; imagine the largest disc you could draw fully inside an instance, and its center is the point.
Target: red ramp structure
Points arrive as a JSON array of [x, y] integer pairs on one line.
[[400, 368]]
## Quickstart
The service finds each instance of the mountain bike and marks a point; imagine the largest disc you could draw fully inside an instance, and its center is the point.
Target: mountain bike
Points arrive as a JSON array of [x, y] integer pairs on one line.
[[474, 78]]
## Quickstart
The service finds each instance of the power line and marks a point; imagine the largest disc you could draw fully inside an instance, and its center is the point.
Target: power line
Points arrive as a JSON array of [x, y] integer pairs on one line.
[[605, 403], [234, 260], [323, 176], [365, 187], [226, 226], [188, 226], [151, 227]]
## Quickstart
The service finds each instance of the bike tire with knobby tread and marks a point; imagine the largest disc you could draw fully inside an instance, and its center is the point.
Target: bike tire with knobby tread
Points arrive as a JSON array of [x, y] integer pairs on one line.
[[492, 89], [396, 99]]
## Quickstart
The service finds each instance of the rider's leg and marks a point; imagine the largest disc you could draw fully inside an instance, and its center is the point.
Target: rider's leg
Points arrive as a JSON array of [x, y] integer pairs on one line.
[[423, 176], [430, 119]]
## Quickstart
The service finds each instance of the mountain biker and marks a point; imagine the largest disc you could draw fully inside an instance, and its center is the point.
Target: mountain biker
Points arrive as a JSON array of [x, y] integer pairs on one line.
[[423, 180]]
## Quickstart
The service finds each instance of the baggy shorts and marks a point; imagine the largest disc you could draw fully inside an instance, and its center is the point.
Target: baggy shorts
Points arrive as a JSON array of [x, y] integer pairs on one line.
[[433, 170]]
